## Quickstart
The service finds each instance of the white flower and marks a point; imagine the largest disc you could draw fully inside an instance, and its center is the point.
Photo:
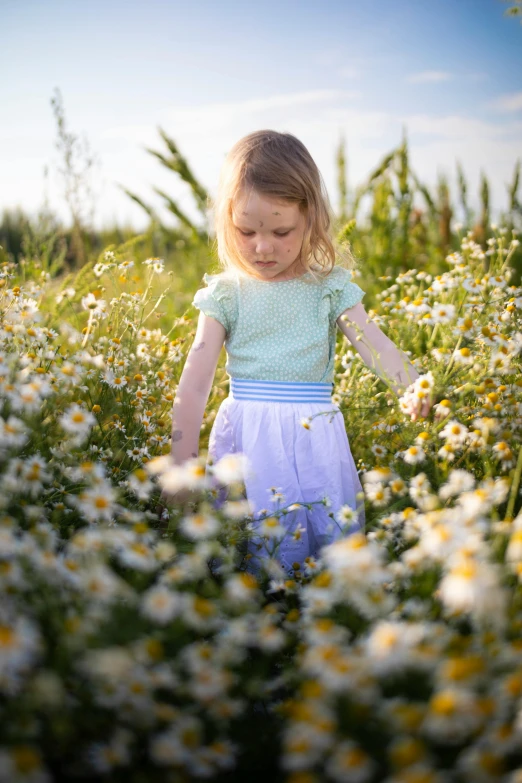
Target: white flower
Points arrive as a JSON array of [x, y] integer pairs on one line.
[[113, 380], [199, 526], [96, 503], [454, 432], [393, 645], [442, 409], [19, 647], [458, 481], [172, 477], [349, 764], [237, 509], [452, 716], [271, 528], [378, 494], [232, 468], [442, 313], [76, 420], [413, 455], [67, 292], [98, 307], [473, 586], [140, 484], [161, 604], [100, 583], [346, 515], [242, 587], [13, 432]]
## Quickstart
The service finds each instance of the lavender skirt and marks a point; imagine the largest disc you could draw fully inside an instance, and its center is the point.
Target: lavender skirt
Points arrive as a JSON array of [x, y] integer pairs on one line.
[[263, 420]]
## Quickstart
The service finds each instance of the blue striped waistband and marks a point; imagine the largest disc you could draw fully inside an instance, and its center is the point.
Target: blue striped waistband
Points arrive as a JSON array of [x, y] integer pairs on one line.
[[280, 391]]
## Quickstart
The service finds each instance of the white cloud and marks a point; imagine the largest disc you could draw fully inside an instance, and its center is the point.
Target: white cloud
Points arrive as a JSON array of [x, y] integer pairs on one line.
[[510, 102], [424, 77], [456, 127], [215, 117], [349, 73], [206, 132]]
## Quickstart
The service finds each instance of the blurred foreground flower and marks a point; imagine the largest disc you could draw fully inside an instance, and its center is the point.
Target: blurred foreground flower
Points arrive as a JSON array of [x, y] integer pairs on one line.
[[417, 395]]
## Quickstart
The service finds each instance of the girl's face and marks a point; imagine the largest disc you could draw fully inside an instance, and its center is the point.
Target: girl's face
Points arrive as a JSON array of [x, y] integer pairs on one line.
[[271, 231]]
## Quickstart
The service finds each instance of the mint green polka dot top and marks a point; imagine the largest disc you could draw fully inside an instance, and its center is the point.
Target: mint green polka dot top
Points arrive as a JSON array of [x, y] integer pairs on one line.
[[279, 331]]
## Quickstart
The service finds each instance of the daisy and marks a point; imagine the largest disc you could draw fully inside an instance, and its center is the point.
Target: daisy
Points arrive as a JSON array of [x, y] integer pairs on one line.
[[19, 646], [66, 293], [473, 586], [454, 432], [22, 763], [100, 584], [77, 421], [473, 286], [138, 555], [231, 469], [447, 452], [413, 455], [97, 307], [96, 503], [271, 528], [378, 494], [452, 716], [346, 515], [160, 604], [463, 356], [504, 454], [500, 363], [514, 548], [237, 509], [458, 481], [442, 313], [378, 475], [114, 381], [190, 475], [199, 526], [13, 432], [140, 484], [242, 587], [69, 372], [442, 409]]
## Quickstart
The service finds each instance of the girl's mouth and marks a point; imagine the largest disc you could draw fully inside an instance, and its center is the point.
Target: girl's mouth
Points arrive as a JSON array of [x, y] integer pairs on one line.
[[266, 263]]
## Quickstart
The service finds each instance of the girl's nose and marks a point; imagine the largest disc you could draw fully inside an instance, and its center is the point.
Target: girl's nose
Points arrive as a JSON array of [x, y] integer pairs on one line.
[[264, 246]]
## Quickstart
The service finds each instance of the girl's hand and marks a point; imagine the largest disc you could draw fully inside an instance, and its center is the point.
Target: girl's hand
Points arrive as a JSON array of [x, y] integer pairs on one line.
[[423, 409]]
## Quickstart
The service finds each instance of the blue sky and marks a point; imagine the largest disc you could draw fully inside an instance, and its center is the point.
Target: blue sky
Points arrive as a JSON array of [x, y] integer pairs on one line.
[[449, 71]]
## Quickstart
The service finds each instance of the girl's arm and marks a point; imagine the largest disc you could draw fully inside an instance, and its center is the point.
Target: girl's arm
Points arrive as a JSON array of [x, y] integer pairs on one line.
[[377, 351], [194, 388]]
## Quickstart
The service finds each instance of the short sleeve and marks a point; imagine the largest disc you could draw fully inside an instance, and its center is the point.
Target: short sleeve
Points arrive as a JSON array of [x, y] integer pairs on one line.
[[217, 300], [342, 292]]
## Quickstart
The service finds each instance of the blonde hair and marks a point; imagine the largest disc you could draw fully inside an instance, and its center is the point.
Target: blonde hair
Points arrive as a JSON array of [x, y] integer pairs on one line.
[[279, 166]]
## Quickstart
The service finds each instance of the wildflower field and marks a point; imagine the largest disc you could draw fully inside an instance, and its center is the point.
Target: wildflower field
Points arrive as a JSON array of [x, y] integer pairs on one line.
[[133, 644]]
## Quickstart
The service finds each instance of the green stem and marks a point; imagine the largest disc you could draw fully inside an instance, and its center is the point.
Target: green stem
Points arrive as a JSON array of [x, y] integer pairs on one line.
[[514, 486], [433, 335], [451, 361]]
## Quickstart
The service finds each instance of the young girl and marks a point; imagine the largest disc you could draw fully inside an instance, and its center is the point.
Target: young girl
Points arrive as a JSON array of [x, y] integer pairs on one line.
[[275, 307]]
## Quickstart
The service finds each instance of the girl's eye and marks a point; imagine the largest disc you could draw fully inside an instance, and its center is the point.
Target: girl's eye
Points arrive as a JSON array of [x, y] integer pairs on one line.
[[251, 233]]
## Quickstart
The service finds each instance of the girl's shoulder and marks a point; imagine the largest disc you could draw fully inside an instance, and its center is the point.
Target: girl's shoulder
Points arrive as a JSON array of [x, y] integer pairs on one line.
[[337, 278], [219, 278], [220, 286]]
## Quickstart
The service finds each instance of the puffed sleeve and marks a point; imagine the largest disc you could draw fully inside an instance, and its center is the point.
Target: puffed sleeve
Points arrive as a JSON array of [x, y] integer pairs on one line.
[[217, 300], [341, 292]]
